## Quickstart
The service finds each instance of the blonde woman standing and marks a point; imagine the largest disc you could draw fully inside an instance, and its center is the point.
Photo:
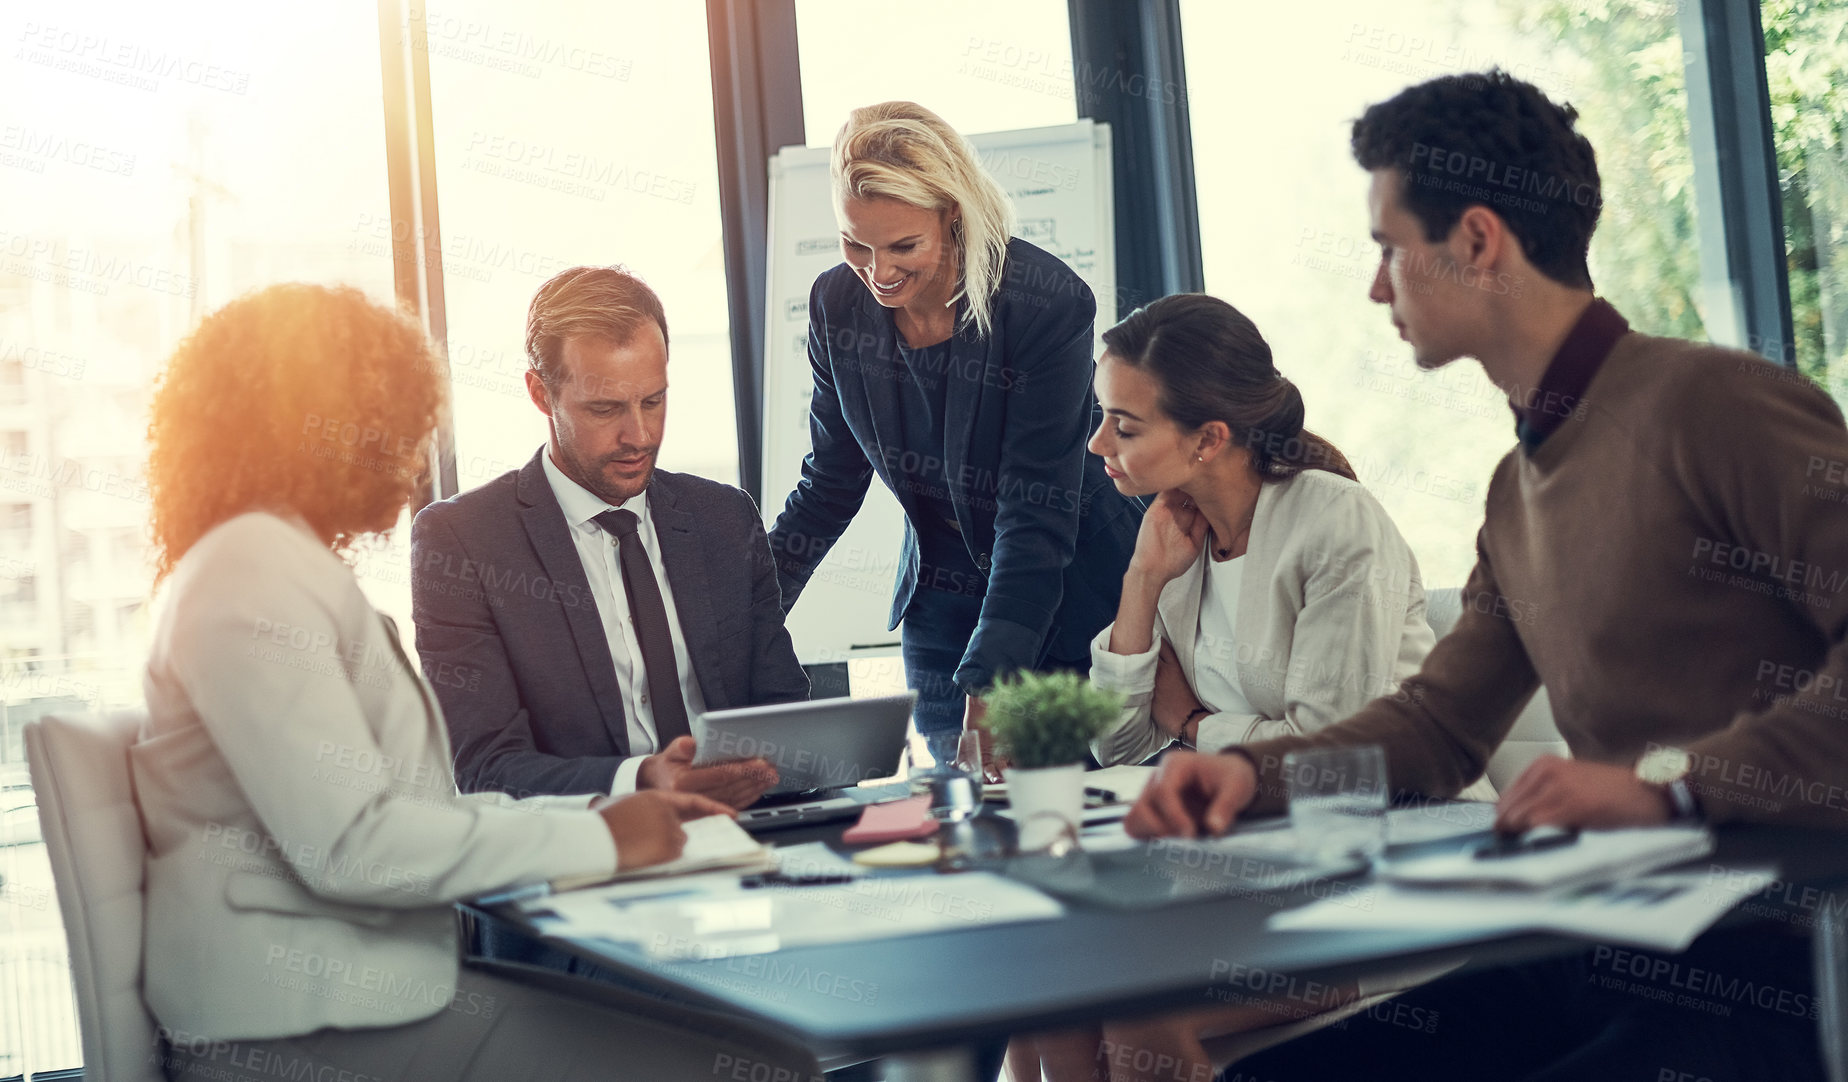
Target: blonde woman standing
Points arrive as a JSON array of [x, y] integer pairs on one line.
[[954, 361]]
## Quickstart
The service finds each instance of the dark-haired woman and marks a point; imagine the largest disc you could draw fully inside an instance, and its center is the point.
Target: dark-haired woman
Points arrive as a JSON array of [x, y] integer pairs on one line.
[[1269, 592]]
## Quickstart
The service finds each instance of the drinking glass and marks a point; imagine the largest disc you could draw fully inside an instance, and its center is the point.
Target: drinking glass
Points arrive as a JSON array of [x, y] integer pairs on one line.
[[947, 767], [1338, 800]]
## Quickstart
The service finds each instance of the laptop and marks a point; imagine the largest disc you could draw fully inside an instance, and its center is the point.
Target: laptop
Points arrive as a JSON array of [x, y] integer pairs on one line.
[[822, 749]]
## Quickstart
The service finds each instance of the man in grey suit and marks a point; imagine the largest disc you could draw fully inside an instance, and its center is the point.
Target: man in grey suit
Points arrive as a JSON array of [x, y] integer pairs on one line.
[[574, 614]]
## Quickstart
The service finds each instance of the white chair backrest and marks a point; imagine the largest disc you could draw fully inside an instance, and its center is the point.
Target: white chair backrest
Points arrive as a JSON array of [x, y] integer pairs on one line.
[[1534, 733], [98, 852]]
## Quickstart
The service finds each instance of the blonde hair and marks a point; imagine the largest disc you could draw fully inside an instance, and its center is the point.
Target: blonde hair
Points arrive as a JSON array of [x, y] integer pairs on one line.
[[901, 150]]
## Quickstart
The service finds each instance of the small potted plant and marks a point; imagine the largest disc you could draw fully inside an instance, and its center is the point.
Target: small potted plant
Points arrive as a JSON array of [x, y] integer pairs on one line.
[[1043, 725]]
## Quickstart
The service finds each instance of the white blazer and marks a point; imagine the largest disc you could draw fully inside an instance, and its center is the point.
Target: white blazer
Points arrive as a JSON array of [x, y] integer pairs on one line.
[[306, 841], [1331, 615]]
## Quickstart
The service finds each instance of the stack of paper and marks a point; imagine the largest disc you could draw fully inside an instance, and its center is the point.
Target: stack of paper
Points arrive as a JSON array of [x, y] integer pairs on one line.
[[1597, 886], [1659, 912], [720, 921], [1438, 820], [1596, 856], [1273, 837]]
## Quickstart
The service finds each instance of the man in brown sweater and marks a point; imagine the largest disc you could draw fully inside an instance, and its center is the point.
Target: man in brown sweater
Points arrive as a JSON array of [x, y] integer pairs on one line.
[[1665, 549]]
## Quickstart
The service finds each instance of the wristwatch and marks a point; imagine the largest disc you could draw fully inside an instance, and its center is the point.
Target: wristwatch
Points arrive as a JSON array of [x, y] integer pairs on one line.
[[1667, 769]]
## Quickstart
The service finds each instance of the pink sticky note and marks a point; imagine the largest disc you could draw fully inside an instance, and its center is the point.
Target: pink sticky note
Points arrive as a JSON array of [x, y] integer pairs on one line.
[[898, 820]]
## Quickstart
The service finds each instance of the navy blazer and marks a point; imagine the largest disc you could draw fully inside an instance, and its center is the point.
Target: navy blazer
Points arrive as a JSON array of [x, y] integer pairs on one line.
[[1039, 516], [512, 641]]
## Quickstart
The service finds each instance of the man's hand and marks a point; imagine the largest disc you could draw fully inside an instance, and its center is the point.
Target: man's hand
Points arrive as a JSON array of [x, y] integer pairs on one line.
[[1174, 700], [738, 784], [1557, 792], [646, 826], [1191, 795]]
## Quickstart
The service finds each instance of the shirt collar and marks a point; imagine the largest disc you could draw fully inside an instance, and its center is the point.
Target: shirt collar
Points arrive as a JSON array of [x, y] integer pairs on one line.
[[580, 504], [1538, 413]]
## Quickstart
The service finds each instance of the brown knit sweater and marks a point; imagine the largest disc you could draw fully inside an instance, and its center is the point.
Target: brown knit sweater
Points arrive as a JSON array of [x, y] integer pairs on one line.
[[1672, 563]]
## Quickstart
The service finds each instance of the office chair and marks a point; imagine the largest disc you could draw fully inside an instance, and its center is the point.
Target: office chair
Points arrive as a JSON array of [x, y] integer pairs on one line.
[[94, 837]]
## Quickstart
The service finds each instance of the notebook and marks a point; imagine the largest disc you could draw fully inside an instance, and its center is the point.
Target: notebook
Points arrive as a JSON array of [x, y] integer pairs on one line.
[[712, 843]]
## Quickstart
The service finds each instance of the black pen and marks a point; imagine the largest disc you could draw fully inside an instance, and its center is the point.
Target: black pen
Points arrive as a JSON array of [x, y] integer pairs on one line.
[[1515, 845], [778, 879], [1108, 796]]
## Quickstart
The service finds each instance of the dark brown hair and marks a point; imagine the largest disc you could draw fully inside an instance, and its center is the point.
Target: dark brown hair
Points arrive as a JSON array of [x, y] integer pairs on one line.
[[1489, 139], [1213, 365], [605, 302]]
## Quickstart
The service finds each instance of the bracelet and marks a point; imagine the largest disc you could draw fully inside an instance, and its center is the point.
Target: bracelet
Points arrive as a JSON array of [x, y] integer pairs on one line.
[[1684, 805]]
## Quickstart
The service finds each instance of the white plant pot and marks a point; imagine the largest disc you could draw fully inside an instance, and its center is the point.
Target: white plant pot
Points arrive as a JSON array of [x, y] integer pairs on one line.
[[1045, 801]]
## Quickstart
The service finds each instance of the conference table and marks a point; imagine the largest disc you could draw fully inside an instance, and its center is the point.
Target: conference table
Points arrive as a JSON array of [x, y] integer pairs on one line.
[[923, 1002]]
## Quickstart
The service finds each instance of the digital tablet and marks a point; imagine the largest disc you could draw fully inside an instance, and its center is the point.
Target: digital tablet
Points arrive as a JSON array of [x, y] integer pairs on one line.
[[814, 744]]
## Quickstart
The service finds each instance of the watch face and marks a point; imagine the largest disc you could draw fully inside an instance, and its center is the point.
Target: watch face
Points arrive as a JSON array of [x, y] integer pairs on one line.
[[1660, 766]]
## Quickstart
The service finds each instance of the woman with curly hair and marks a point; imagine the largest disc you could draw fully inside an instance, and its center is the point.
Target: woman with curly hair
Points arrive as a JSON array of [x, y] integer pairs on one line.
[[306, 837]]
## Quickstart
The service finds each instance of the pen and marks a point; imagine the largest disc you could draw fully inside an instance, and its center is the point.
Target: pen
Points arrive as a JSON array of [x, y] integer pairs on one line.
[[1108, 796], [1514, 845], [778, 879]]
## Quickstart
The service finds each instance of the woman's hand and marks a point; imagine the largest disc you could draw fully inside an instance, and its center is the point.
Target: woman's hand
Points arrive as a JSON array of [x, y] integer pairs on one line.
[[1169, 542], [1174, 701], [646, 826], [993, 762]]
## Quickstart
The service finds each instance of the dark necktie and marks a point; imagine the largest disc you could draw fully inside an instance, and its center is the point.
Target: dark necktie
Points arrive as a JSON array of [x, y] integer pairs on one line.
[[649, 614]]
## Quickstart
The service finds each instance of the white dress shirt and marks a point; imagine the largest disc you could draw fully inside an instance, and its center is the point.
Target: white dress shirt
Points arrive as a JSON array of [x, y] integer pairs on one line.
[[596, 547]]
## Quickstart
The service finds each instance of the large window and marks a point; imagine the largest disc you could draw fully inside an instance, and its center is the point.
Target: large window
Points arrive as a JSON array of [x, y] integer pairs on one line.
[[571, 134], [160, 161], [1806, 66], [164, 159], [980, 65], [1283, 219]]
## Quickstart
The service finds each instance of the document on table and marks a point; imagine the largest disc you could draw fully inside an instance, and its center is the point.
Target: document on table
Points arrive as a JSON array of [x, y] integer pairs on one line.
[[1665, 911], [1596, 856], [723, 920], [815, 859], [717, 841], [1438, 820], [1404, 826], [1273, 837]]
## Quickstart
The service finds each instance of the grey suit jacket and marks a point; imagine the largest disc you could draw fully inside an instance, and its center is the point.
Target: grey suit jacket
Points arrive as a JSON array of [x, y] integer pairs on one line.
[[305, 838], [511, 639]]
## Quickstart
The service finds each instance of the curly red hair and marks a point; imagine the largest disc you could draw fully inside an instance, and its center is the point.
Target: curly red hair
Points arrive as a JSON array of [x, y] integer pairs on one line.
[[298, 398]]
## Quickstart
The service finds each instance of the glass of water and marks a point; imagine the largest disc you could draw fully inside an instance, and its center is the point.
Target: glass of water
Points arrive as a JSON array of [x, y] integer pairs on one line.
[[947, 767], [1338, 800]]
